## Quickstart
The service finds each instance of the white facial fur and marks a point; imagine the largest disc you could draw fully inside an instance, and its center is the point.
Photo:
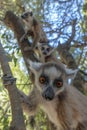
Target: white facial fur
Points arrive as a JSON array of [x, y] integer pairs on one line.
[[52, 72], [45, 49], [28, 19]]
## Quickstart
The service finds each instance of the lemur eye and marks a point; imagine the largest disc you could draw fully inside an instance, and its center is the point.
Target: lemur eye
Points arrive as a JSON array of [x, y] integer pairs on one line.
[[42, 79], [48, 49], [42, 48], [59, 83], [36, 47], [26, 14]]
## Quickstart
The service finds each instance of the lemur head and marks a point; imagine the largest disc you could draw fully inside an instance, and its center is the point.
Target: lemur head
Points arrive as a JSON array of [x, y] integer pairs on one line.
[[50, 78], [27, 17], [44, 49]]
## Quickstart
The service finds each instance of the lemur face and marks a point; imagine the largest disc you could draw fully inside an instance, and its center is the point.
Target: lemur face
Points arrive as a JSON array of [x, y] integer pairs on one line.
[[51, 78], [45, 50], [50, 82], [27, 17]]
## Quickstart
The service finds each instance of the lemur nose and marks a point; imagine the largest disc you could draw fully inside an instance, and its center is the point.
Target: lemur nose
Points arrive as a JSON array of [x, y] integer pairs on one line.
[[48, 94], [22, 16], [44, 53]]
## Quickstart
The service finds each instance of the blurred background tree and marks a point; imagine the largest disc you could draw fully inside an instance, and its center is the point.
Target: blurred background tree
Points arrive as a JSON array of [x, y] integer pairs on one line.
[[57, 17]]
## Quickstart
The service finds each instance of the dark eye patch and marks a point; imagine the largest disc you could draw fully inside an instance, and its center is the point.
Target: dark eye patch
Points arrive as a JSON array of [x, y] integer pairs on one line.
[[58, 83], [48, 49], [26, 14], [42, 48], [36, 47], [43, 79]]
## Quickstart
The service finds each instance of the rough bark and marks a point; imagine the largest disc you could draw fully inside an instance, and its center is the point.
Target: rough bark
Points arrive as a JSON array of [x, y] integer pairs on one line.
[[10, 84]]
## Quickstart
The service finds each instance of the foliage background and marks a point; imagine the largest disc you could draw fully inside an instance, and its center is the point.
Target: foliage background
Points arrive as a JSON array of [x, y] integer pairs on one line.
[[56, 17]]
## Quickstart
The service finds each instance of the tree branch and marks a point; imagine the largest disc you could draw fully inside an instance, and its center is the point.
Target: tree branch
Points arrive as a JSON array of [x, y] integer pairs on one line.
[[64, 1], [10, 84], [68, 59], [68, 43]]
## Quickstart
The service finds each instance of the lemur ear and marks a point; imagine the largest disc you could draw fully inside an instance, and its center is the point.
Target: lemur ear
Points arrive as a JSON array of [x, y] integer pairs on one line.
[[34, 66], [71, 73]]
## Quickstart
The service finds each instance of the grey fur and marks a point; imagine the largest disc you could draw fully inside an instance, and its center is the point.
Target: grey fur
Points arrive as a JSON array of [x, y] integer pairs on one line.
[[68, 109]]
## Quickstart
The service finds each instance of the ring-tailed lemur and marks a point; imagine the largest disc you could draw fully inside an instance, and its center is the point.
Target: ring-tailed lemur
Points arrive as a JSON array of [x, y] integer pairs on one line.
[[46, 53], [65, 106], [33, 26]]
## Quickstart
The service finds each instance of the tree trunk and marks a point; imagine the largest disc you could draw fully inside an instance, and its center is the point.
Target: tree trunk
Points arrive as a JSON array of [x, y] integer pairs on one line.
[[10, 84]]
